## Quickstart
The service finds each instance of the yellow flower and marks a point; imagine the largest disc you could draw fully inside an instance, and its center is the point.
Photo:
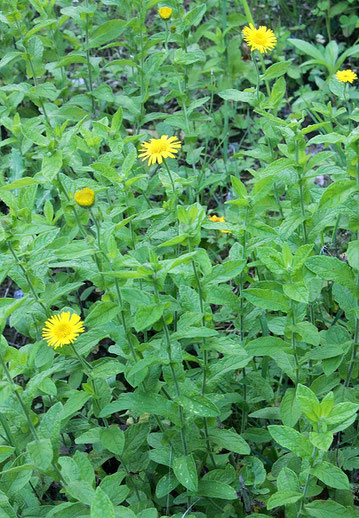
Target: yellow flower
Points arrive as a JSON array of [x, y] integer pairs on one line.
[[85, 197], [219, 219], [62, 329], [165, 12], [158, 148], [261, 39], [346, 76]]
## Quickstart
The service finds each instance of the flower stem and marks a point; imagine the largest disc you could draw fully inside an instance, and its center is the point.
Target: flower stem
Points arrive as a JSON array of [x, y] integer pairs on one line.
[[85, 364], [249, 17], [257, 73], [170, 175]]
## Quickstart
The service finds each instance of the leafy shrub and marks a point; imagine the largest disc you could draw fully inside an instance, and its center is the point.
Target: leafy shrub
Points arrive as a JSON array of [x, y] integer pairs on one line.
[[179, 328]]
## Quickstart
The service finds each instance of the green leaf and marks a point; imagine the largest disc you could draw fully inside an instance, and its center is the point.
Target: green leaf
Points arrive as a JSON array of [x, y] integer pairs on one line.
[[198, 405], [307, 48], [106, 32], [353, 254], [229, 440], [101, 313], [331, 269], [328, 508], [166, 484], [141, 402], [174, 241], [236, 95], [276, 70], [289, 408], [307, 332], [129, 160], [308, 403], [75, 402], [113, 439], [146, 316], [50, 425], [336, 193], [51, 165], [81, 490], [41, 453], [331, 475], [101, 505], [341, 412], [267, 299], [321, 440], [6, 452], [327, 138], [296, 291], [267, 346], [239, 187], [283, 498], [216, 489], [291, 439], [17, 184], [288, 480], [185, 471]]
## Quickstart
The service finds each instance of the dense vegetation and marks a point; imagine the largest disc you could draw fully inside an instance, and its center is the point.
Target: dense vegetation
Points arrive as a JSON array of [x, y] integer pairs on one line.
[[179, 259]]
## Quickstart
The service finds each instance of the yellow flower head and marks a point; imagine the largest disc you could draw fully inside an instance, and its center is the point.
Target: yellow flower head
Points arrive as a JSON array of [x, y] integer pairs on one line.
[[158, 148], [62, 329], [219, 219], [346, 76], [85, 197], [165, 12], [261, 39]]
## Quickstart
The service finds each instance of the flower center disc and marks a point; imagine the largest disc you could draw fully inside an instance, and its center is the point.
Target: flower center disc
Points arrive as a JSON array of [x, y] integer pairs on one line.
[[159, 146], [260, 38], [62, 330]]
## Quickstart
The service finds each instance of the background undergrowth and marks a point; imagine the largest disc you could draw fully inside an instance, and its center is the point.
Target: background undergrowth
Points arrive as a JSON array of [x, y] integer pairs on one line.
[[216, 375]]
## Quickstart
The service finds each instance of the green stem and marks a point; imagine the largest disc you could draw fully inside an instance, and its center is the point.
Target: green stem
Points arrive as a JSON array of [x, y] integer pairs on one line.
[[64, 191], [88, 61], [12, 442], [36, 83], [249, 17], [356, 330], [346, 89], [355, 345], [327, 21], [294, 344], [166, 36], [85, 364], [29, 283], [9, 435], [306, 487], [257, 73], [142, 89], [170, 175], [173, 372], [241, 319], [334, 235], [205, 356], [301, 193], [19, 398]]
